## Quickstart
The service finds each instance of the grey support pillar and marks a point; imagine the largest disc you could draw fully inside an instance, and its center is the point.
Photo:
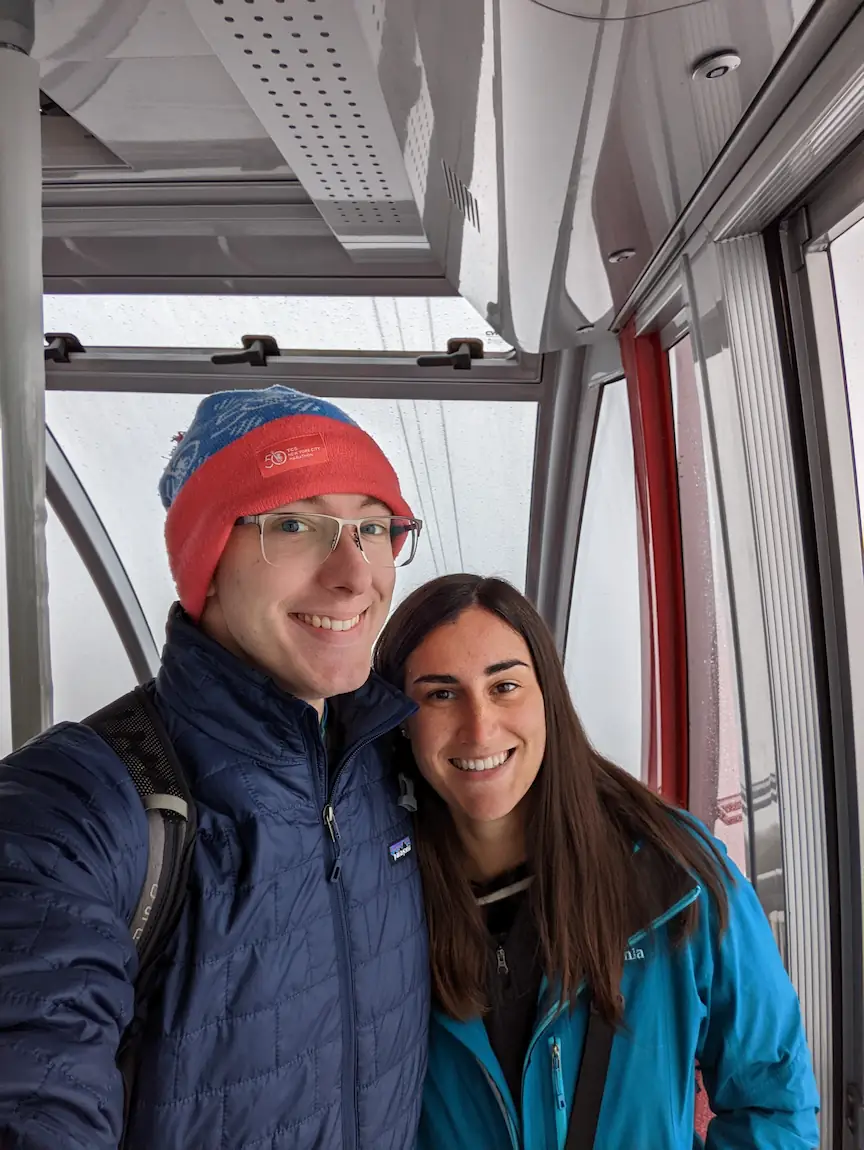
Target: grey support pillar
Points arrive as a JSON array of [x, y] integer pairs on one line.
[[22, 378]]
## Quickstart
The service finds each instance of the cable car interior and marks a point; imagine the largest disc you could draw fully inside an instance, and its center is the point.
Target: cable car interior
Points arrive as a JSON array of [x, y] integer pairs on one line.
[[591, 272]]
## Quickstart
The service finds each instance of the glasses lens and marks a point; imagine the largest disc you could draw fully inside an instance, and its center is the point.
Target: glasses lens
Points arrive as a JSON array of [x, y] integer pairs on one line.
[[289, 538], [388, 540], [404, 536]]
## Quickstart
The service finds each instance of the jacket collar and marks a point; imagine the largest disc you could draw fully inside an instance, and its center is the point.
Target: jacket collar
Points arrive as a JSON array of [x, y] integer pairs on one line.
[[680, 890], [244, 709]]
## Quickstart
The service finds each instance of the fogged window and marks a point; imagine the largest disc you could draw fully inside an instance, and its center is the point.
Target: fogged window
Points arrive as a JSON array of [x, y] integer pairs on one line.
[[89, 666], [465, 469], [313, 323], [717, 782], [603, 661]]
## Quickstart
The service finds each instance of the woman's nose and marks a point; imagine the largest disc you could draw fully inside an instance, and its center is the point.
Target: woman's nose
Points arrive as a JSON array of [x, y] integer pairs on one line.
[[479, 723]]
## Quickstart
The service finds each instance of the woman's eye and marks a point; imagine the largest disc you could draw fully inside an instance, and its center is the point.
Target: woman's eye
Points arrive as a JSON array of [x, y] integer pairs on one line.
[[441, 695], [293, 526], [506, 688], [374, 530]]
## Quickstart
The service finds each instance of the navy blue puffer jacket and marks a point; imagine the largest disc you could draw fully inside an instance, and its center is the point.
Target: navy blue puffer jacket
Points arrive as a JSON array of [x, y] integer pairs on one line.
[[294, 1011]]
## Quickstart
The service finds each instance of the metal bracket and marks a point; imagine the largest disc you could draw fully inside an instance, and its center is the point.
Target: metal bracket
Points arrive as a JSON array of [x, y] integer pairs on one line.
[[460, 353], [257, 350], [60, 345], [798, 227]]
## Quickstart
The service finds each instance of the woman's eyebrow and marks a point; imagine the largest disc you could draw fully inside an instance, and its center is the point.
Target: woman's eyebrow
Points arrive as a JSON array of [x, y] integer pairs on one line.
[[451, 680], [497, 668]]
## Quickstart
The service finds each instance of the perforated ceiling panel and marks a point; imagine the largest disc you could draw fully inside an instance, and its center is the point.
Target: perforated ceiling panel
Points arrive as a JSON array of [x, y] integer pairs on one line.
[[308, 69]]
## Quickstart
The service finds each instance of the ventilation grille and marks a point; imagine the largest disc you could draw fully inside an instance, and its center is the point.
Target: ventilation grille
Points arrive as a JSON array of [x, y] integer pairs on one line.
[[307, 69], [461, 196], [418, 143]]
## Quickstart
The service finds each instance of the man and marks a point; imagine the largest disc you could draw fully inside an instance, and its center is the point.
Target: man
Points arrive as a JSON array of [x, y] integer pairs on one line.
[[292, 1010]]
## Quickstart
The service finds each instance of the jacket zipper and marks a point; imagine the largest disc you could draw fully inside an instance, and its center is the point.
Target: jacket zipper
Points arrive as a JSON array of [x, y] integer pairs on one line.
[[332, 826], [558, 1091], [557, 1008], [350, 1123]]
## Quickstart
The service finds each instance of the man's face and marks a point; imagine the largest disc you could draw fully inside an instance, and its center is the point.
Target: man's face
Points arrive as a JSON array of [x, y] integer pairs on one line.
[[267, 615]]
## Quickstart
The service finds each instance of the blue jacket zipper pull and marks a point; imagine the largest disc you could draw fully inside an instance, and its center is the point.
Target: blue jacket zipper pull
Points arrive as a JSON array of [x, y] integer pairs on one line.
[[558, 1091], [330, 823]]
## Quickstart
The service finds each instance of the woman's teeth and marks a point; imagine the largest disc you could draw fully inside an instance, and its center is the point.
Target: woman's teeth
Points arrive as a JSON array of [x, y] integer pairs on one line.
[[481, 764], [328, 624]]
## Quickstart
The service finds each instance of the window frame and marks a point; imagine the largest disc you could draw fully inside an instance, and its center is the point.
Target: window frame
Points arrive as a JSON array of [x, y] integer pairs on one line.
[[518, 377], [588, 424], [813, 345]]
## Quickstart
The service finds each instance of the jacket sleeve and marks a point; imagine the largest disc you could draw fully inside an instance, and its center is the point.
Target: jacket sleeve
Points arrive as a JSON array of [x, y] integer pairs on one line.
[[73, 843], [753, 1052]]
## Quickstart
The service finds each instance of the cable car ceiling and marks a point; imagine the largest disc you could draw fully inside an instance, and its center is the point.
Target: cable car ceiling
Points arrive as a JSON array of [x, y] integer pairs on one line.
[[534, 153]]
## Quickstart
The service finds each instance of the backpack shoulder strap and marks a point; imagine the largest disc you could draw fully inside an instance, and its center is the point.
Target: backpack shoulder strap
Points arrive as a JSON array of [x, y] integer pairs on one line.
[[591, 1083], [134, 730]]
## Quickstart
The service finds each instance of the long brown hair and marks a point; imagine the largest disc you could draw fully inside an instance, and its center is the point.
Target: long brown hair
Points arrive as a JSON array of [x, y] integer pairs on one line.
[[586, 815]]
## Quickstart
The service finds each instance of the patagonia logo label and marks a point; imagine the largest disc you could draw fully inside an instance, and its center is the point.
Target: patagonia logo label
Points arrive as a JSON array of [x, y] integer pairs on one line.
[[304, 451], [400, 849], [633, 955]]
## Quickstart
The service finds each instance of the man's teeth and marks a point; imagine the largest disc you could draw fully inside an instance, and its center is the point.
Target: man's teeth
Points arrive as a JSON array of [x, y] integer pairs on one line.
[[481, 764], [328, 624]]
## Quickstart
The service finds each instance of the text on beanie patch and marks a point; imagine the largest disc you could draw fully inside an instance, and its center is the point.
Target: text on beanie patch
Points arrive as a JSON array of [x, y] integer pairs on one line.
[[304, 451]]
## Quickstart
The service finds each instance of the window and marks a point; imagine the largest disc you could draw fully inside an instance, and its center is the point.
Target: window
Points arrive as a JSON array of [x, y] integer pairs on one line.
[[603, 660], [716, 775], [847, 262], [89, 666], [465, 467], [298, 323]]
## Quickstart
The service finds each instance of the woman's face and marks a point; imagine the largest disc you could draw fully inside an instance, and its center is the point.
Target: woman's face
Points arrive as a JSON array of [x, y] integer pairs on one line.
[[480, 734]]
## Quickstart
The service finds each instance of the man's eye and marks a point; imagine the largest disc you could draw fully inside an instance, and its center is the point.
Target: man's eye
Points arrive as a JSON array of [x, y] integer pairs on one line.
[[293, 526]]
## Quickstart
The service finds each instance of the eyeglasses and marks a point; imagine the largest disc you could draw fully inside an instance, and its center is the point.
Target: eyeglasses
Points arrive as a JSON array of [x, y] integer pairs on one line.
[[286, 537]]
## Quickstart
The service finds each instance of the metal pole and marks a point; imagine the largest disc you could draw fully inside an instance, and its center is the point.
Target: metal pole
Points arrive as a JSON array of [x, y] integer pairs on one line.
[[22, 374]]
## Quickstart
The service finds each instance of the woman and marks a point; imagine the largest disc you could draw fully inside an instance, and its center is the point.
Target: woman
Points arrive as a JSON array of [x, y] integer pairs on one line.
[[589, 943]]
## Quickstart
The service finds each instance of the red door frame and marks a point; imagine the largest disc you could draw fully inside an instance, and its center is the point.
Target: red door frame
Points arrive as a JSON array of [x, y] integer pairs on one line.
[[665, 740]]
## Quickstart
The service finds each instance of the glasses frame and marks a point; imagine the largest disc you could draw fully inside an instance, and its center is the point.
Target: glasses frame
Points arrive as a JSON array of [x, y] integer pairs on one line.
[[261, 521]]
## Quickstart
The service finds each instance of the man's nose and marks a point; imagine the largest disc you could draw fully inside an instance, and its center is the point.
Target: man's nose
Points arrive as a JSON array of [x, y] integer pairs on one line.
[[345, 568]]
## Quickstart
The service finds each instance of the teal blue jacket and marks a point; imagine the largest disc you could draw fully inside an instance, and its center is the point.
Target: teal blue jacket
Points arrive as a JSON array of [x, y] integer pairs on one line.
[[724, 1000]]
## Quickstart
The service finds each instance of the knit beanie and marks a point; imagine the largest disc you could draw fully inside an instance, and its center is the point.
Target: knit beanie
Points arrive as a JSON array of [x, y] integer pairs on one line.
[[248, 452]]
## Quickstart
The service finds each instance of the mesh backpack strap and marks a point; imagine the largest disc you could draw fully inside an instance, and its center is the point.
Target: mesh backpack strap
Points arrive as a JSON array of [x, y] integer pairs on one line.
[[133, 728]]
